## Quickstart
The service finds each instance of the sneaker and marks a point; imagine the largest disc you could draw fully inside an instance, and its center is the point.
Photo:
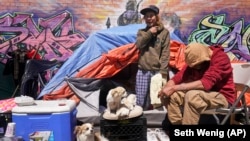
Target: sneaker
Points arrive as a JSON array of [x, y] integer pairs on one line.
[[151, 136], [162, 136]]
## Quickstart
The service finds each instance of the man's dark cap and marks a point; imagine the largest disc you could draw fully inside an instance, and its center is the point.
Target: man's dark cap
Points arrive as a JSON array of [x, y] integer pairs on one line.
[[152, 8]]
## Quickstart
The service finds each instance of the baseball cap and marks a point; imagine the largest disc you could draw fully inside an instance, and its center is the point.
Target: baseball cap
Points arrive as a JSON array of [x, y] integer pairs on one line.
[[152, 8]]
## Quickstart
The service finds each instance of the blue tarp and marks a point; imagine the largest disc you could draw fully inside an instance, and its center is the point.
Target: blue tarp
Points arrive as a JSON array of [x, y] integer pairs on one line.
[[98, 43]]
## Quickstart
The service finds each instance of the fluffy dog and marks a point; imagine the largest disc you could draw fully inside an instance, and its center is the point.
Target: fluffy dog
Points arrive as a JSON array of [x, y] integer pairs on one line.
[[85, 132], [114, 98], [128, 103], [123, 112]]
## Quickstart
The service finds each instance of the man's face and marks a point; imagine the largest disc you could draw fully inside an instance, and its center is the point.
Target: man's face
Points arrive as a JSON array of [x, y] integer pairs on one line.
[[150, 19], [199, 66]]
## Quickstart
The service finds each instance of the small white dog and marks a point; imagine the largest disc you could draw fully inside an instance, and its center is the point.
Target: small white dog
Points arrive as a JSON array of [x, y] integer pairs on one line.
[[114, 98], [128, 103], [123, 112], [85, 132]]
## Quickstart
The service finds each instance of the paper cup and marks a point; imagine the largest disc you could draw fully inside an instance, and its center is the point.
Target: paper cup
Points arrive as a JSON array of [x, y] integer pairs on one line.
[[10, 130]]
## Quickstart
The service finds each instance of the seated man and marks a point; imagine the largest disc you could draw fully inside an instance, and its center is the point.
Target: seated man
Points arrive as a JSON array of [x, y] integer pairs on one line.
[[205, 82]]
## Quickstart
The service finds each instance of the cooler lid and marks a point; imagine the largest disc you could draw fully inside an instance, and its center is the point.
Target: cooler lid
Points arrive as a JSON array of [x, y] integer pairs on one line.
[[46, 106]]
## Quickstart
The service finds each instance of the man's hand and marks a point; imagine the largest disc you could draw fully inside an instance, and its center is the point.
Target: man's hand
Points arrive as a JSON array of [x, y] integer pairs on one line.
[[166, 92], [153, 30]]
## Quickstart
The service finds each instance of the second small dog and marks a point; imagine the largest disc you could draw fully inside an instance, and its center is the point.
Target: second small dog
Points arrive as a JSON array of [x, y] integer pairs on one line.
[[85, 132], [114, 98], [129, 101], [128, 104]]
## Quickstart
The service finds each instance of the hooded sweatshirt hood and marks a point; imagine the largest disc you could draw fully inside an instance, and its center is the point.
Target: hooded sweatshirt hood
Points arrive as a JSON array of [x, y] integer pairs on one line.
[[196, 53]]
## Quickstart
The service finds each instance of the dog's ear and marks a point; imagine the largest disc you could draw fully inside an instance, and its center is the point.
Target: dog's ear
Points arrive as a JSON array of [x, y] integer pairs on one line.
[[114, 93], [121, 90], [77, 129]]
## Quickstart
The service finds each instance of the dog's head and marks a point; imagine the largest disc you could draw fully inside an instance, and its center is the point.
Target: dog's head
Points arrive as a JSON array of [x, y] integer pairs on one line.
[[119, 92], [85, 129]]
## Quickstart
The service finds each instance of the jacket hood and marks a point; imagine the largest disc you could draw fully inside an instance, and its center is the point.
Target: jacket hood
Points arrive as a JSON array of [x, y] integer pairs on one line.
[[196, 53]]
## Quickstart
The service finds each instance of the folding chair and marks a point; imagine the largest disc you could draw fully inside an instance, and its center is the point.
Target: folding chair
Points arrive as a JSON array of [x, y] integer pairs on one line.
[[242, 81]]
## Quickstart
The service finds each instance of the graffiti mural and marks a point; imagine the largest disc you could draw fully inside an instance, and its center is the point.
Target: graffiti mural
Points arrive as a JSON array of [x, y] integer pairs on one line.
[[234, 37], [131, 15], [52, 38], [172, 22]]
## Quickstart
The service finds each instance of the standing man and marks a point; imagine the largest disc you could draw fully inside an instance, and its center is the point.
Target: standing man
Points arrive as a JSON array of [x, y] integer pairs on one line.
[[153, 43]]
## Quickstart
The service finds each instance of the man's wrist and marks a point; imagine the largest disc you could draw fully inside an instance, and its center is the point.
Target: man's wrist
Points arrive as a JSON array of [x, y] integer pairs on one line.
[[182, 87]]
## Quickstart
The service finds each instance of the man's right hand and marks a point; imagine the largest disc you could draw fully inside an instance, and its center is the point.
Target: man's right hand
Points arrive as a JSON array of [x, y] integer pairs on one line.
[[153, 30], [166, 92]]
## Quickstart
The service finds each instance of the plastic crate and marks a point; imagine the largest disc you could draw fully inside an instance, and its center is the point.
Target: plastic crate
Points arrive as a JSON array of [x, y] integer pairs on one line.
[[134, 129]]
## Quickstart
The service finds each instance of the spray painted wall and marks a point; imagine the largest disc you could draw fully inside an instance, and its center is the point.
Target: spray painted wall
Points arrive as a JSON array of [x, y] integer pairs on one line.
[[57, 28]]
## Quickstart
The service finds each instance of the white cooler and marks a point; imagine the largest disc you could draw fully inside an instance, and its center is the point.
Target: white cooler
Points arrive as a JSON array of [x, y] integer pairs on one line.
[[57, 116]]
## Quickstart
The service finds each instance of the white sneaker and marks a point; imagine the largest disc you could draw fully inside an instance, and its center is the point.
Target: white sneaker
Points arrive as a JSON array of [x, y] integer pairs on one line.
[[162, 136], [151, 136]]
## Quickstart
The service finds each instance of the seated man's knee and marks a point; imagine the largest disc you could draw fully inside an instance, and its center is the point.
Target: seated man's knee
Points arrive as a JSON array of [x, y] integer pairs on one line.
[[190, 95], [194, 99], [176, 98]]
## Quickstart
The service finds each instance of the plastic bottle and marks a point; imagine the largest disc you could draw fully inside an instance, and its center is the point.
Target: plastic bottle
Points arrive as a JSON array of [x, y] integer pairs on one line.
[[51, 137]]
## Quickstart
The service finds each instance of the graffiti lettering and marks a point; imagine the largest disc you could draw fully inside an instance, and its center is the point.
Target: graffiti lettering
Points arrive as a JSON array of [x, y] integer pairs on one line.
[[212, 30], [54, 37]]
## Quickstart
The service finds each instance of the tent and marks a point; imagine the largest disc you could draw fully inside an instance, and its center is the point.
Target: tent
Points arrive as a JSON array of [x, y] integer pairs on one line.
[[106, 55]]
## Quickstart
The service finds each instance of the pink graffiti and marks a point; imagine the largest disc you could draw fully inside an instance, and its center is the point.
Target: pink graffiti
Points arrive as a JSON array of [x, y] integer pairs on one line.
[[20, 32], [54, 37]]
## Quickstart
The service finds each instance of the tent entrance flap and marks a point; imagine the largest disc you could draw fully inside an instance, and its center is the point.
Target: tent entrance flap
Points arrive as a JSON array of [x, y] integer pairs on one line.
[[88, 91]]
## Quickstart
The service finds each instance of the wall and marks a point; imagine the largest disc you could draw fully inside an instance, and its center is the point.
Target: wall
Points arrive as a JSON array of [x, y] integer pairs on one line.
[[57, 27]]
